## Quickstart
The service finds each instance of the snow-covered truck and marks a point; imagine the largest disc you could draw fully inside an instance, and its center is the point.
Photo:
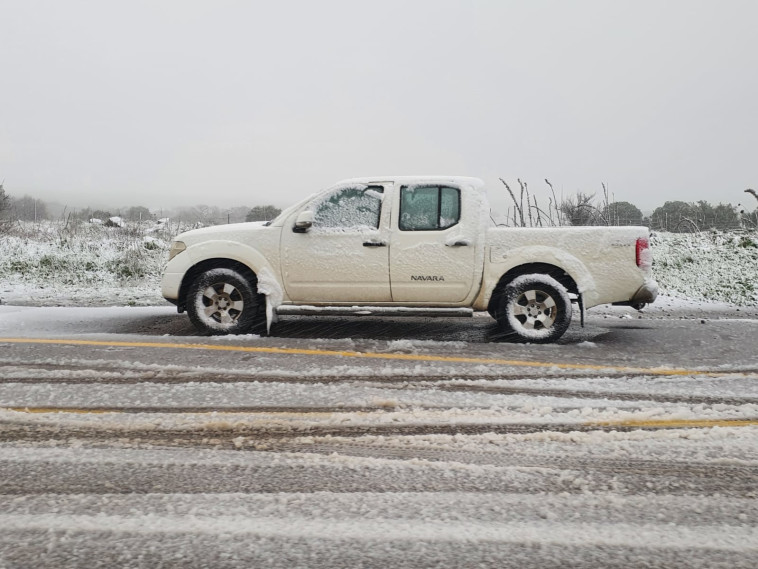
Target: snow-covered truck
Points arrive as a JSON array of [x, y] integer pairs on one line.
[[404, 246]]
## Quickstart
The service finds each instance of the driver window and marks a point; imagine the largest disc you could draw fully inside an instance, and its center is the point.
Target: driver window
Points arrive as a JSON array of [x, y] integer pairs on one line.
[[350, 208]]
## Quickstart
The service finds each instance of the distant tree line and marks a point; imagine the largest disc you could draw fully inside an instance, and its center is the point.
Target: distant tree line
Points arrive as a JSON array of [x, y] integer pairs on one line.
[[581, 208], [584, 208], [683, 217], [27, 208]]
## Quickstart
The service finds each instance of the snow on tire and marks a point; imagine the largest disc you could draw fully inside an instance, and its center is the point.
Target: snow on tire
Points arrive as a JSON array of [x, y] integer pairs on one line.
[[534, 308], [222, 301]]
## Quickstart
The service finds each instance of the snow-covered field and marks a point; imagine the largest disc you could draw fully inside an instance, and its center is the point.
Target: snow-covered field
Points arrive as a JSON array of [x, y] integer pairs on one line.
[[95, 265]]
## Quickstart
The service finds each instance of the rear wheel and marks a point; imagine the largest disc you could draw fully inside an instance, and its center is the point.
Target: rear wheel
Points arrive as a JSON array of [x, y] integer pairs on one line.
[[222, 301], [534, 308]]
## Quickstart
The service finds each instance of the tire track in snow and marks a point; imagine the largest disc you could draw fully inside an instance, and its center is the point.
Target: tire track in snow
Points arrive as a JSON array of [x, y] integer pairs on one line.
[[83, 374], [39, 432]]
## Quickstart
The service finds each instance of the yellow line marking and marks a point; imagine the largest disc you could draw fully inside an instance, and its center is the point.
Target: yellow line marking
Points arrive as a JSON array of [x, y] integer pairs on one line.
[[36, 410], [679, 423], [631, 423], [369, 355]]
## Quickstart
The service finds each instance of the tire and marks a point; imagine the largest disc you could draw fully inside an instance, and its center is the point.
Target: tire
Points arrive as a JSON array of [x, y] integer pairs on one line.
[[222, 301], [534, 308]]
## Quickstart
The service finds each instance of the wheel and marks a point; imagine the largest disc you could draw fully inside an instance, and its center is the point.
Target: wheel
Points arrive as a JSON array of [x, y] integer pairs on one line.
[[534, 308], [222, 301]]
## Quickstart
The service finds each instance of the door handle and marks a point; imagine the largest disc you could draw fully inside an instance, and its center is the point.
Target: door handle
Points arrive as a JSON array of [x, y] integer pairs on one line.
[[374, 244], [459, 243]]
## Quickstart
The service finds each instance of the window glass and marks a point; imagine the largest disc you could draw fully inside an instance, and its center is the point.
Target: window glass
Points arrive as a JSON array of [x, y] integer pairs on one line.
[[353, 208], [418, 208], [450, 204], [428, 208]]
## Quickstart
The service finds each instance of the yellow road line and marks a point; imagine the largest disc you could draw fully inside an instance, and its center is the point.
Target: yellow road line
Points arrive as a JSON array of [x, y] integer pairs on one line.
[[44, 410], [369, 355], [678, 423], [628, 423]]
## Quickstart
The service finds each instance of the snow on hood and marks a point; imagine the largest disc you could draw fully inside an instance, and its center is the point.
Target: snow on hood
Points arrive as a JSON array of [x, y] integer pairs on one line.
[[219, 230]]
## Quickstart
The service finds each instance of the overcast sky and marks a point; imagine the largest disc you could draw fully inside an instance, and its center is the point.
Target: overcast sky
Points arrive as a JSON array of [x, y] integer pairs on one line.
[[166, 103]]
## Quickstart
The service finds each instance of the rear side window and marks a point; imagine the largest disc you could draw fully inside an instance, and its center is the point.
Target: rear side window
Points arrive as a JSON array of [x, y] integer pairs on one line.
[[429, 208]]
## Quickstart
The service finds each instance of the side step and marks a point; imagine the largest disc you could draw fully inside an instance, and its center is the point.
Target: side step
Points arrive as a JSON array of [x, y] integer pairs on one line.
[[291, 310]]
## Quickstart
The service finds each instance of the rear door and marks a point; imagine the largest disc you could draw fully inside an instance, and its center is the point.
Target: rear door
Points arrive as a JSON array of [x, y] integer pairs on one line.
[[434, 244]]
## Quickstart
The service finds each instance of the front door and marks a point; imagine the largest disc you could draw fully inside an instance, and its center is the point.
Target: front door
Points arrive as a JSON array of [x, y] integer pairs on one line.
[[344, 256]]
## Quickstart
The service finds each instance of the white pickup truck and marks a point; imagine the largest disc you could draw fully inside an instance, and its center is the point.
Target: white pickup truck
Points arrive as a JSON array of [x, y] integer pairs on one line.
[[400, 246]]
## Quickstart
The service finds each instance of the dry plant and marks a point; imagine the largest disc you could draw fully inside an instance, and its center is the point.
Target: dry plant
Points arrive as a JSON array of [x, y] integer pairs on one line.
[[527, 211]]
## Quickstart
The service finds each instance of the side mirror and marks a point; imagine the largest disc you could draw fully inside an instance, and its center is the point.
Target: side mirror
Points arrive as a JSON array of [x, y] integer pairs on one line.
[[304, 222]]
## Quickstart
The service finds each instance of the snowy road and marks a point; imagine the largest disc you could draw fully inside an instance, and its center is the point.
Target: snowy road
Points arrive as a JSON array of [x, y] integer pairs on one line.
[[128, 441]]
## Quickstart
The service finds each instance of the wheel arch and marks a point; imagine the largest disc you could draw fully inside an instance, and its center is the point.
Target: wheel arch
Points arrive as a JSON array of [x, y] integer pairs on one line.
[[206, 265], [221, 254], [554, 271]]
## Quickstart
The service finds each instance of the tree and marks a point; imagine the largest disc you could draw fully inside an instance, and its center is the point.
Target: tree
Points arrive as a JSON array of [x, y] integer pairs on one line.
[[238, 214], [725, 217], [263, 213], [5, 202], [138, 213], [28, 209], [100, 214], [676, 216], [623, 213], [683, 217]]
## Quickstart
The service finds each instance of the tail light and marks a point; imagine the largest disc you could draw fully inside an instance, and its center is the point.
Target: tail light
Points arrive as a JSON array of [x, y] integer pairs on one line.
[[644, 258]]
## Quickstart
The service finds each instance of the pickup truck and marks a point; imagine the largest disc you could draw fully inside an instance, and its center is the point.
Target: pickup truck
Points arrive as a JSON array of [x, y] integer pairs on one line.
[[404, 246]]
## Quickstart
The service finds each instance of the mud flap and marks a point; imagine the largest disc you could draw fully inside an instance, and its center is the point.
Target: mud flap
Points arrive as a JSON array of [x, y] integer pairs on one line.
[[271, 316], [580, 302]]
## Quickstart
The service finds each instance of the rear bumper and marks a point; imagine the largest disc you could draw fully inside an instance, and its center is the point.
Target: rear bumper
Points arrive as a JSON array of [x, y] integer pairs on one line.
[[646, 294]]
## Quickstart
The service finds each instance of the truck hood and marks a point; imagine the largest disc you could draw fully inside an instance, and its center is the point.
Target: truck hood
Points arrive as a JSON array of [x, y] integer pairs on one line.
[[231, 230]]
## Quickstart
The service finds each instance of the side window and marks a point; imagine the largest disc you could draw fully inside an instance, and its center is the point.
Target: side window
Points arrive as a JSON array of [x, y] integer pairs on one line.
[[429, 208], [350, 208]]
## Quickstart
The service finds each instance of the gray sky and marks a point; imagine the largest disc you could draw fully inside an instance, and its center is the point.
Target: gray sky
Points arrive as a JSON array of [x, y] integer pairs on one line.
[[166, 103]]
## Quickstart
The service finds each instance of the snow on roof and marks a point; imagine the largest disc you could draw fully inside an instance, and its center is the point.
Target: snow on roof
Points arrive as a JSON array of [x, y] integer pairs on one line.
[[476, 183]]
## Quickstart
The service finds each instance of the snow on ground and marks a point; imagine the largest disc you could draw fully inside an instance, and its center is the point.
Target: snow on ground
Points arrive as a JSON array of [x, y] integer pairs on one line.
[[91, 265], [709, 266]]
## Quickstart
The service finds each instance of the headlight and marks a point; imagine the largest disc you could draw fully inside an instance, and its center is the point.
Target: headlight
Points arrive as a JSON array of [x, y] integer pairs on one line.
[[176, 248]]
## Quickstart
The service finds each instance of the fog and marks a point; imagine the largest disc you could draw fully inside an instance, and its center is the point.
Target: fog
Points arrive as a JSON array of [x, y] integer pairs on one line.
[[226, 103]]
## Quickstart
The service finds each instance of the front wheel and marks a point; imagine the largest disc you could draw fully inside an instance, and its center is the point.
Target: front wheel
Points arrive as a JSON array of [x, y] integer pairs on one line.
[[534, 308], [222, 301]]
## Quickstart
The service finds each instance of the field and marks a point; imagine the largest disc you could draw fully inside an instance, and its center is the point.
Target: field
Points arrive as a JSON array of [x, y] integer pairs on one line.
[[48, 264]]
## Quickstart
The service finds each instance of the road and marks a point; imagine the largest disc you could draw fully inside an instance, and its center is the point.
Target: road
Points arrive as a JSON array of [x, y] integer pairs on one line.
[[129, 441]]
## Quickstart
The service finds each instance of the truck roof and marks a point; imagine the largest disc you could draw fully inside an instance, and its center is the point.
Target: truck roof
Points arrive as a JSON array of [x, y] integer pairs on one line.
[[475, 183]]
